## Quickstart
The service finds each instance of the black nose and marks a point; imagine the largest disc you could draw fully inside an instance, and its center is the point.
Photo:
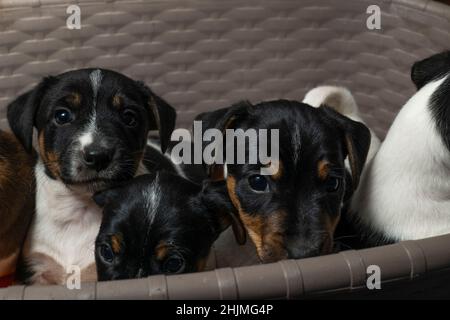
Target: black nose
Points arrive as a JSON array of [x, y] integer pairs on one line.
[[97, 158]]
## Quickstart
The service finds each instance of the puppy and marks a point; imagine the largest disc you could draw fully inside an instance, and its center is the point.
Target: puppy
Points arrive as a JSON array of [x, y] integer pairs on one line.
[[16, 203], [405, 189], [159, 223], [293, 212], [92, 127]]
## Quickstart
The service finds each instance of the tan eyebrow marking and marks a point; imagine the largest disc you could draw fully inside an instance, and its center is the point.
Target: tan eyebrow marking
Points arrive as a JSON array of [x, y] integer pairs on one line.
[[50, 158], [161, 250], [323, 168], [74, 98], [117, 101], [116, 242], [279, 173]]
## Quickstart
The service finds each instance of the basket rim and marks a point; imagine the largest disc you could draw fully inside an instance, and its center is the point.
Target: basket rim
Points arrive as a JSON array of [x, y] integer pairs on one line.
[[346, 271]]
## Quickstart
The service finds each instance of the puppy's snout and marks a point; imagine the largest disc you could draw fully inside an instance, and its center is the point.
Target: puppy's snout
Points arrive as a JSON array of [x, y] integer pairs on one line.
[[97, 158]]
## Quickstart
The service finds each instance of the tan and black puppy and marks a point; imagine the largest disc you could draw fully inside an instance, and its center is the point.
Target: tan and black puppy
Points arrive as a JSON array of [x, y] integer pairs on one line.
[[92, 127], [292, 213], [16, 203]]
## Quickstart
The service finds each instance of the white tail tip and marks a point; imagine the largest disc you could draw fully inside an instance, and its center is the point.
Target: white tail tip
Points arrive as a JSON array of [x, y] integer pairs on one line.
[[338, 98]]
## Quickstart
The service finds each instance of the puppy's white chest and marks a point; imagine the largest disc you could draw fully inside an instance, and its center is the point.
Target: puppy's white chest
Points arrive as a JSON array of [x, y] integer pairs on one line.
[[66, 229], [65, 226]]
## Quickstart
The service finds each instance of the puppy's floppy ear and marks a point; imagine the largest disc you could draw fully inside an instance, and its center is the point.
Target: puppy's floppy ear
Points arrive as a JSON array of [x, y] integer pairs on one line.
[[22, 111], [431, 68], [214, 196], [222, 119], [164, 116], [356, 140]]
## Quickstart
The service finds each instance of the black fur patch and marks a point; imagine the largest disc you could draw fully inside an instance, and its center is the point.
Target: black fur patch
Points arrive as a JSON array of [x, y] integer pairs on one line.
[[440, 108], [431, 69]]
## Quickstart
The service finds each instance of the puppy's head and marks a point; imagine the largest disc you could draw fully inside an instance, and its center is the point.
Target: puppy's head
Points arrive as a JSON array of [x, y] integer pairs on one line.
[[158, 224], [92, 125], [293, 213]]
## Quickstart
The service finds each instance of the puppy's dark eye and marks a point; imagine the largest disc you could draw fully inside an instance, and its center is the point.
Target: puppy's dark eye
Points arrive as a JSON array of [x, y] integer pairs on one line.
[[63, 116], [332, 184], [173, 264], [129, 118], [258, 183], [106, 253]]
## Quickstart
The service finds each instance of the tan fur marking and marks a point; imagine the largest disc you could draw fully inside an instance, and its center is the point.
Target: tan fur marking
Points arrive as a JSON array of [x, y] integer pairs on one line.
[[50, 158], [277, 176], [74, 99], [323, 168], [117, 101], [116, 242], [161, 251], [266, 233]]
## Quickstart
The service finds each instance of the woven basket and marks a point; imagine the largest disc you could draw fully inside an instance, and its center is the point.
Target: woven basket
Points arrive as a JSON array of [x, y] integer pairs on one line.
[[205, 54]]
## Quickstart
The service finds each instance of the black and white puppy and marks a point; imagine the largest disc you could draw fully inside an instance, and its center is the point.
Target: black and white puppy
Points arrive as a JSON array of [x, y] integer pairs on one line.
[[92, 127], [292, 213], [405, 190], [159, 223]]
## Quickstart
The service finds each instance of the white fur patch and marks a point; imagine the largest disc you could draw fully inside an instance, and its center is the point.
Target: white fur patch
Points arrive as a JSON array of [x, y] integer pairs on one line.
[[338, 98], [65, 225], [225, 171], [152, 196], [405, 190], [87, 137], [96, 77]]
